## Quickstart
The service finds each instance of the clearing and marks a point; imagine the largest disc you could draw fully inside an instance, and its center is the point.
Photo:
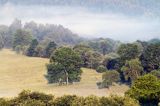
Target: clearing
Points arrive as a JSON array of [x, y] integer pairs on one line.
[[20, 72]]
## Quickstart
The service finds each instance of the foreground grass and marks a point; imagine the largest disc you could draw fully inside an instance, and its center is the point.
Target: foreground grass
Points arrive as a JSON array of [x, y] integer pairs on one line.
[[19, 72]]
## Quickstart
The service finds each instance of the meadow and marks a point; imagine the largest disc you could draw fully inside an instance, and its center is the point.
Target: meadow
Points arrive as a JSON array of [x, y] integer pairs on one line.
[[19, 72]]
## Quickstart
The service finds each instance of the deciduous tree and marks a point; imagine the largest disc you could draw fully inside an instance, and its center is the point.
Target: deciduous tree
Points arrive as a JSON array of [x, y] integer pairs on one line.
[[64, 65]]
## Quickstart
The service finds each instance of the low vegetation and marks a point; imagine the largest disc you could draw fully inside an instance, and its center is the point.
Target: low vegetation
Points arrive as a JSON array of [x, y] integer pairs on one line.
[[28, 98]]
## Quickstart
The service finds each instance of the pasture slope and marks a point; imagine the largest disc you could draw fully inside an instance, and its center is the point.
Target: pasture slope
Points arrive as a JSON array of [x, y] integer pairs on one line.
[[18, 72]]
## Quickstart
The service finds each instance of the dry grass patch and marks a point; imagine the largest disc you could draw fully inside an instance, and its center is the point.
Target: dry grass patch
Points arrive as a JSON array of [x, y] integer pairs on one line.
[[19, 72]]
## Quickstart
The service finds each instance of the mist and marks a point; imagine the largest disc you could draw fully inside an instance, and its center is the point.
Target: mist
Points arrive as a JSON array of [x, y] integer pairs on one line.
[[85, 22]]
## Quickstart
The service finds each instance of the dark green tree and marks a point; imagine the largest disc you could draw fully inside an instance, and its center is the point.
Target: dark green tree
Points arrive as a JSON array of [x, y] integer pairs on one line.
[[64, 66], [50, 48], [150, 58], [146, 89], [32, 48], [128, 52]]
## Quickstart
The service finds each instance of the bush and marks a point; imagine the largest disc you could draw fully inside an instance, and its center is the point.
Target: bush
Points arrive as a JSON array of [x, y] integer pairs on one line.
[[108, 78], [32, 102], [78, 101], [65, 100], [156, 73], [92, 101], [101, 69], [118, 101], [30, 98], [146, 89], [4, 102], [27, 98]]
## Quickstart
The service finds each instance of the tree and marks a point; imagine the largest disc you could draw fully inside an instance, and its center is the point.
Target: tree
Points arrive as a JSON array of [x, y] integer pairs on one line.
[[50, 48], [22, 38], [103, 46], [128, 52], [90, 58], [112, 61], [146, 89], [64, 66], [95, 59], [32, 48], [150, 58], [1, 42], [84, 52], [108, 78], [3, 36], [132, 69], [101, 69]]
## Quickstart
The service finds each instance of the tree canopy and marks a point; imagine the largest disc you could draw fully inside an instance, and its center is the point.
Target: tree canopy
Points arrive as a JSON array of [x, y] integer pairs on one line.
[[132, 69], [150, 58], [64, 66], [146, 89]]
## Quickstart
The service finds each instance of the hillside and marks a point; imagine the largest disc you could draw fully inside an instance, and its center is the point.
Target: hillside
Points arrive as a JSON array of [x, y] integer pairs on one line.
[[20, 72]]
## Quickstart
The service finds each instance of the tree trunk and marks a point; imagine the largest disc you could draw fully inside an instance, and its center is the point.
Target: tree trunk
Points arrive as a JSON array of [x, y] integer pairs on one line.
[[66, 76]]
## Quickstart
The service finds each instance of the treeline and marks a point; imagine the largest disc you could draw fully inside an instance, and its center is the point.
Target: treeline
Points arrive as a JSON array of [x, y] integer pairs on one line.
[[126, 62], [19, 37], [136, 64], [34, 39], [42, 32], [27, 98]]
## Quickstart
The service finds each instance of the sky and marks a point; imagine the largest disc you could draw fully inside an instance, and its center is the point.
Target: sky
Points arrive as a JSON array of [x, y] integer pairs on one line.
[[84, 22]]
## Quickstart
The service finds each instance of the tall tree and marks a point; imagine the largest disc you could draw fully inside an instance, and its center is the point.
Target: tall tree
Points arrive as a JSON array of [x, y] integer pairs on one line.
[[104, 46], [150, 58], [32, 48], [132, 69], [21, 38], [4, 38], [64, 65], [50, 48]]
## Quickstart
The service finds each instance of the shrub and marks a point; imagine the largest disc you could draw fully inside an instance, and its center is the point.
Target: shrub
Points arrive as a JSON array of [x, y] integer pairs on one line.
[[29, 98], [146, 89], [108, 78], [32, 102], [91, 101], [118, 101], [78, 101], [101, 69], [65, 100], [4, 102], [156, 73]]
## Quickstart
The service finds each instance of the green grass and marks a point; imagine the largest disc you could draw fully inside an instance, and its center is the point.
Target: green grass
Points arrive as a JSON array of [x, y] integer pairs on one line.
[[18, 72]]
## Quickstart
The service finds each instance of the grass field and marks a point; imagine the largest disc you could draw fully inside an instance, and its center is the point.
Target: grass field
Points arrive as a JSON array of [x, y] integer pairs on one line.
[[18, 72]]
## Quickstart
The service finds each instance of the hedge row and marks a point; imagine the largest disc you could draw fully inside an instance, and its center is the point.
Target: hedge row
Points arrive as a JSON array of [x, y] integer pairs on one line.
[[28, 98]]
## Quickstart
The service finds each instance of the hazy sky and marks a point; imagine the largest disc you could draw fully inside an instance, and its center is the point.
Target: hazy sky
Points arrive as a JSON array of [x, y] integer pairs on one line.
[[86, 23]]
